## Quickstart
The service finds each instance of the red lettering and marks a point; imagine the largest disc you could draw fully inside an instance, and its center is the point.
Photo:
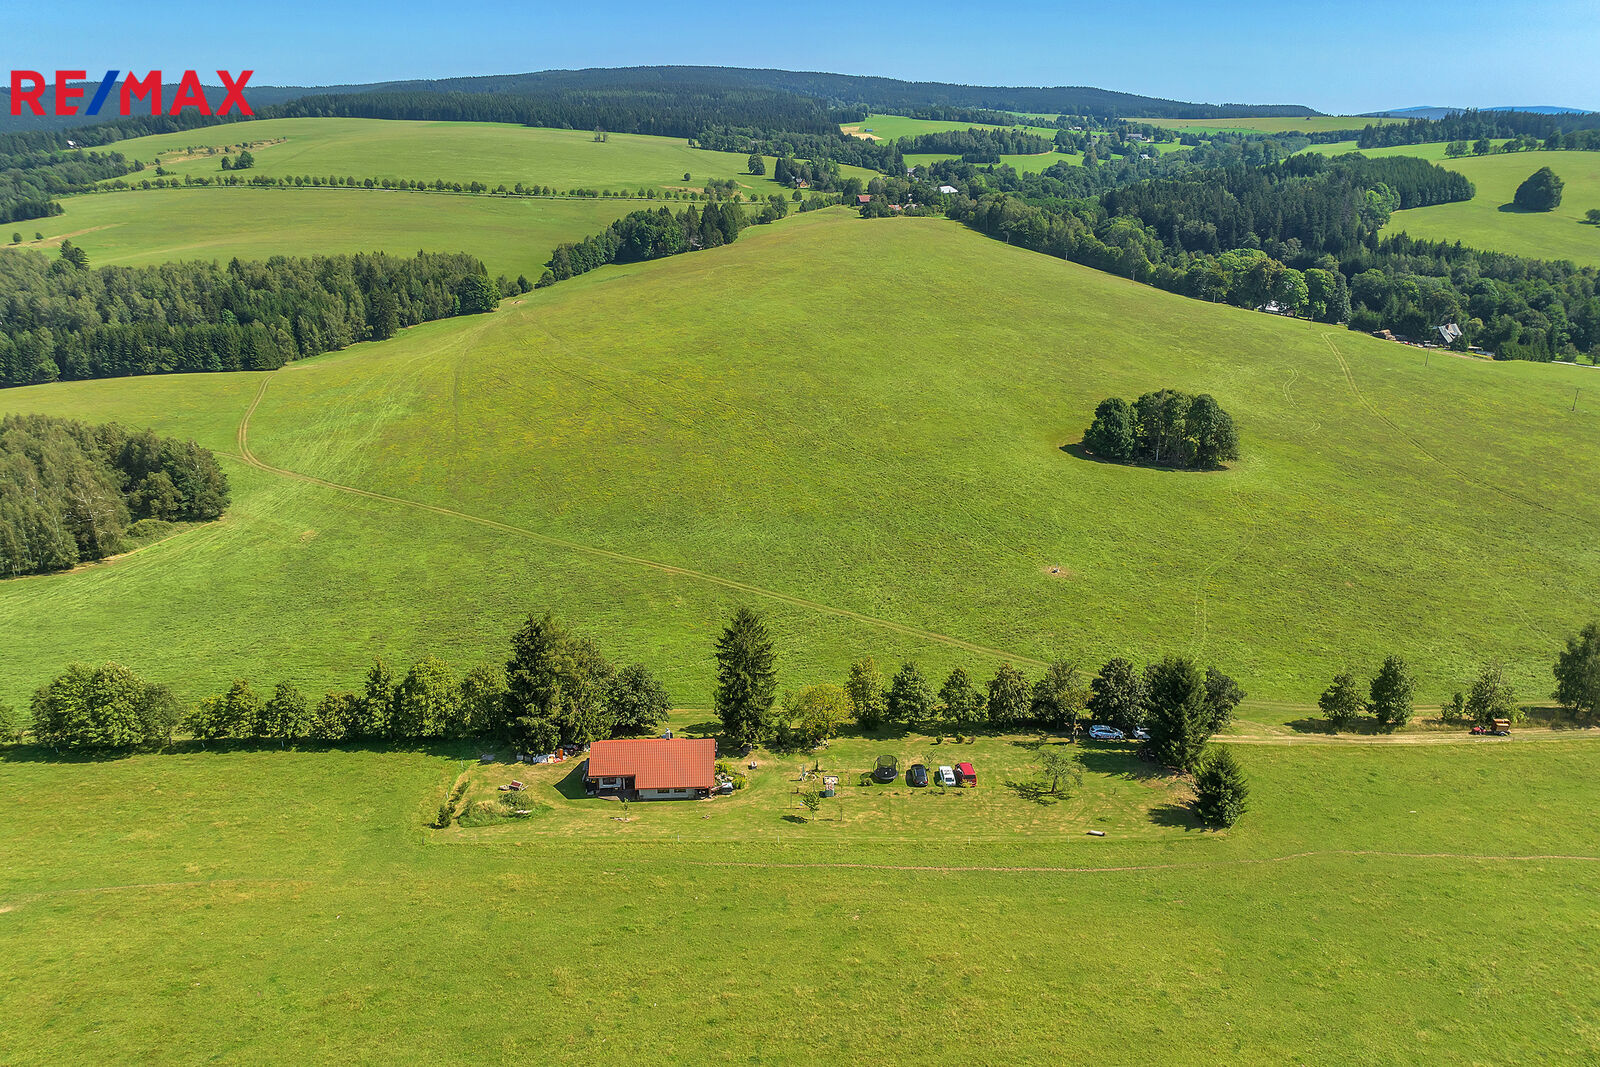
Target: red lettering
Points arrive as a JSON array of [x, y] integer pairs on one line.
[[235, 90], [190, 94], [66, 92], [19, 95], [148, 89]]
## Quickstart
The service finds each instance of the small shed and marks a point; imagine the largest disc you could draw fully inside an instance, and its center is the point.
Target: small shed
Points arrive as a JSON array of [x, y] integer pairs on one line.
[[965, 775]]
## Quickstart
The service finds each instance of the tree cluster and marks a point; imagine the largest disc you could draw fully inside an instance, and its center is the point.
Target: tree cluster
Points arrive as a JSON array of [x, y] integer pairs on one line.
[[645, 235], [71, 492], [1541, 191], [1167, 428], [30, 178], [61, 320]]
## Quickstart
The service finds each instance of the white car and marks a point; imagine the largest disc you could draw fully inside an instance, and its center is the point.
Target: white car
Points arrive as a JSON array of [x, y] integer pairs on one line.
[[946, 776], [1141, 734], [1105, 733]]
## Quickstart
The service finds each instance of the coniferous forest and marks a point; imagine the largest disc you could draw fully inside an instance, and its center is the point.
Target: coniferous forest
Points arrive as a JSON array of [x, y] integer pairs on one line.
[[63, 320]]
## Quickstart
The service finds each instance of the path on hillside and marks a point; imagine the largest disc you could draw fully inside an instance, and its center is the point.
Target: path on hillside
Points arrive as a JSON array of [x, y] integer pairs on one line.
[[1442, 737], [250, 458], [1488, 486]]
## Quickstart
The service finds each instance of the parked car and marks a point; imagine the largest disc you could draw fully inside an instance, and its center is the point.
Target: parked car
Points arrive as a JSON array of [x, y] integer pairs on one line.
[[887, 770], [1105, 733], [1141, 734], [917, 775], [946, 777]]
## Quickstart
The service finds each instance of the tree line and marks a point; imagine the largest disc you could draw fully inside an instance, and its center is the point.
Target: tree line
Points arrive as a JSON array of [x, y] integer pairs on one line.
[[1167, 428], [1473, 125], [647, 234], [61, 320], [71, 492]]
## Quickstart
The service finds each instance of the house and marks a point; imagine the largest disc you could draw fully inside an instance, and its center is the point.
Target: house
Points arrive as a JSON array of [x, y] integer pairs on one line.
[[948, 189], [1449, 333], [863, 198], [654, 768], [965, 775]]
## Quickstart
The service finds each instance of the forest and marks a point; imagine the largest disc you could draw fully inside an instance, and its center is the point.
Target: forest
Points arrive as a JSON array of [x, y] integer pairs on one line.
[[70, 492], [61, 319], [1301, 234]]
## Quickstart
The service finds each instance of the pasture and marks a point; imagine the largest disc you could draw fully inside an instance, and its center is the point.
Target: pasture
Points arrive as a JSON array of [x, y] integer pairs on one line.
[[645, 447], [511, 235], [1488, 221], [489, 152], [891, 127], [292, 905]]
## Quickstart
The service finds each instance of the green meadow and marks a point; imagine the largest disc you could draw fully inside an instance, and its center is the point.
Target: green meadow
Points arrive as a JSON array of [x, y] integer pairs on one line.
[[891, 127], [1488, 220], [455, 152], [1398, 904], [511, 235], [645, 447]]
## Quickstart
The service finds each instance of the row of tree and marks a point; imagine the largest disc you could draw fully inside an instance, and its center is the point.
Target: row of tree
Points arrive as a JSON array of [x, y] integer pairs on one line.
[[62, 320], [1473, 125], [71, 492], [1389, 698], [1167, 427], [645, 235]]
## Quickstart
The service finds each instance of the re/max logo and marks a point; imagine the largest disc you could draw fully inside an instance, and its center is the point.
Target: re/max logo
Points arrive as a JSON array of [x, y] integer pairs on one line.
[[27, 86]]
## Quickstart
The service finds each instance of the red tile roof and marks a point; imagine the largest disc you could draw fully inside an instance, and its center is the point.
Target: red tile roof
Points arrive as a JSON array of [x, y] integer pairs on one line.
[[657, 762]]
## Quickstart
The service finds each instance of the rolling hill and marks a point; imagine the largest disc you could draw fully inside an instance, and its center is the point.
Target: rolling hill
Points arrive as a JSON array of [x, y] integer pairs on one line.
[[644, 447]]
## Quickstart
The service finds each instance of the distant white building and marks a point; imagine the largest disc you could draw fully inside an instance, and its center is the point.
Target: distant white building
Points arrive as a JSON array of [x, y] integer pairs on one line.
[[948, 189], [1448, 333]]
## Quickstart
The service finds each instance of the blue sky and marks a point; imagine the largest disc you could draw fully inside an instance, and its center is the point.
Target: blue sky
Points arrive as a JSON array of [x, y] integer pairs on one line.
[[1349, 57]]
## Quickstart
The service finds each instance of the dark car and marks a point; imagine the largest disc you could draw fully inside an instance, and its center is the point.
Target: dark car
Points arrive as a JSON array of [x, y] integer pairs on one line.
[[917, 775], [887, 769]]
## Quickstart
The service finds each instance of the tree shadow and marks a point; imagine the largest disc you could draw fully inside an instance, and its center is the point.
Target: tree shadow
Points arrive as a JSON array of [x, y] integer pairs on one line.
[[1175, 816], [35, 753], [1078, 451], [1034, 791], [1513, 209], [800, 820], [1120, 761]]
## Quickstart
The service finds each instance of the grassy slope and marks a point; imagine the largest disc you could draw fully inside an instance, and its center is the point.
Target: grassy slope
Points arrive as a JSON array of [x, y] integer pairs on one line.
[[459, 151], [889, 127], [1482, 223], [511, 236], [275, 906], [862, 447]]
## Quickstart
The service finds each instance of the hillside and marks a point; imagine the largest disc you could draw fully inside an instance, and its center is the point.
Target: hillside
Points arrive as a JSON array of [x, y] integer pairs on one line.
[[1488, 220], [646, 446]]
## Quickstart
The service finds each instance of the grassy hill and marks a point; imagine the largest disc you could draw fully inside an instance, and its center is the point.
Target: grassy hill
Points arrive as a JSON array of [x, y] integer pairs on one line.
[[455, 151], [511, 236], [878, 464], [1488, 221], [291, 905]]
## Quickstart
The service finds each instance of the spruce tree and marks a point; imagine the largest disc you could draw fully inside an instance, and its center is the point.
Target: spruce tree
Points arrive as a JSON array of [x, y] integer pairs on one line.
[[747, 677], [1220, 789]]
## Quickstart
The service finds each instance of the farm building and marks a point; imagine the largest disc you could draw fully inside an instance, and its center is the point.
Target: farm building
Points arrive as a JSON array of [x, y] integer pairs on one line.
[[863, 198], [656, 768], [947, 189]]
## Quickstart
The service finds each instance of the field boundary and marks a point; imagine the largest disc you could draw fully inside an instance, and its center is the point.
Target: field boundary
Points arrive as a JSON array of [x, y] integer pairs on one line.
[[250, 458]]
